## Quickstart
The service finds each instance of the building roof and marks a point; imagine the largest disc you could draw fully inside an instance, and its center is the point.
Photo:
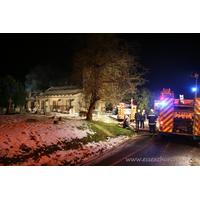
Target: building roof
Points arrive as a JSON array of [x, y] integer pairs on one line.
[[59, 90], [70, 87]]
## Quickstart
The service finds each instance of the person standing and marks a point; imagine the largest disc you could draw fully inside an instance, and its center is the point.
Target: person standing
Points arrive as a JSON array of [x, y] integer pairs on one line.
[[137, 118], [142, 118], [152, 122]]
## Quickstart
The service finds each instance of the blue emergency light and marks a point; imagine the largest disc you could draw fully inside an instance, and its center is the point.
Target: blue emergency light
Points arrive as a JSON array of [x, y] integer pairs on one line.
[[163, 103], [194, 89]]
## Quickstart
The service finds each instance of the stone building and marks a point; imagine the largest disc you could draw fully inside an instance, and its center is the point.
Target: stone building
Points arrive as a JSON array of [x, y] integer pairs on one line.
[[62, 98]]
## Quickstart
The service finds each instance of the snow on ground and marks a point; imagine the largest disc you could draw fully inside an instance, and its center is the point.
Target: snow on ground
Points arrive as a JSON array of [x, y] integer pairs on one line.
[[41, 142]]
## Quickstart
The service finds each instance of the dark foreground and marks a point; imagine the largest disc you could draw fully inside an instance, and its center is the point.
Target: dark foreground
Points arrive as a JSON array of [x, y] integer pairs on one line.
[[143, 150]]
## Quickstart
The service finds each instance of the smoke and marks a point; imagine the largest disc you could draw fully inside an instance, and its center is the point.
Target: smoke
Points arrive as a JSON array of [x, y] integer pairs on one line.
[[43, 77], [30, 83]]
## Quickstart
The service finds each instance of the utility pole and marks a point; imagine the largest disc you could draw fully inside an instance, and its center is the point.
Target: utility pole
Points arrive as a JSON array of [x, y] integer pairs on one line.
[[132, 99], [196, 76]]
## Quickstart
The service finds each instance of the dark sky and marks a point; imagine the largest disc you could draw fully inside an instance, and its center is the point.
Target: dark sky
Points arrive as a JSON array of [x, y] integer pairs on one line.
[[170, 57], [21, 52]]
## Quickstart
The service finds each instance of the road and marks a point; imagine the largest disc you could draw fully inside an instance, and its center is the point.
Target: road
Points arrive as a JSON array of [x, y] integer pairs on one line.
[[143, 150]]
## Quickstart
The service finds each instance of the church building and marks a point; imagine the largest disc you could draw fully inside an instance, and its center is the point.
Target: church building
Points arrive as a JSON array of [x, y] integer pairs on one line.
[[62, 99]]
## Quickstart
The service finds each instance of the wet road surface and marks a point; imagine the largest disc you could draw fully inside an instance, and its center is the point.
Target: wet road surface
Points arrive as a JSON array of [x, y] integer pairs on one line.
[[143, 150]]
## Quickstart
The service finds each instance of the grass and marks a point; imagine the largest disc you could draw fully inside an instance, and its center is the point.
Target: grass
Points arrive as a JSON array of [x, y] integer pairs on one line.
[[109, 129], [102, 131]]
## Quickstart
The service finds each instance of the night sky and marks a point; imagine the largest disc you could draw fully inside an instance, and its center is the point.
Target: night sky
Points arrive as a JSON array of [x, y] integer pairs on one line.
[[170, 57]]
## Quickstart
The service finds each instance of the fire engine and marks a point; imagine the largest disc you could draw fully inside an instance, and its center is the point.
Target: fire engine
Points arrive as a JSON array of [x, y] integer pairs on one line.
[[122, 110], [178, 116]]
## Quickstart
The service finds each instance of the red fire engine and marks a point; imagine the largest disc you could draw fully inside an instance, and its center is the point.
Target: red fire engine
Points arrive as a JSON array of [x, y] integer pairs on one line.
[[178, 116], [122, 110]]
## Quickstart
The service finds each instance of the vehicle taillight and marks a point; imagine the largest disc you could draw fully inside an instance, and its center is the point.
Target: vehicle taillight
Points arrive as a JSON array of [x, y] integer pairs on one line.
[[161, 123]]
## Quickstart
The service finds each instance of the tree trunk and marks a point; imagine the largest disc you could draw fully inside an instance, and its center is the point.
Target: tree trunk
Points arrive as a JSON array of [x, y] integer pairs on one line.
[[90, 110]]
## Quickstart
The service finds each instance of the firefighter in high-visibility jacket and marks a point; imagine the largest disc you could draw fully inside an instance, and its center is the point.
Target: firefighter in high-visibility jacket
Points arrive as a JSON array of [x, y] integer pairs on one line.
[[152, 122]]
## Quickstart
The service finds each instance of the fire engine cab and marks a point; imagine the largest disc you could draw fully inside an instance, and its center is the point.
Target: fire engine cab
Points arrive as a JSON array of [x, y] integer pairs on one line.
[[178, 116]]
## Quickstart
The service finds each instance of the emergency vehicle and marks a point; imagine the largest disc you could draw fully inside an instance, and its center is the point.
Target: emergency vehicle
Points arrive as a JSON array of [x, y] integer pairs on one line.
[[122, 110], [178, 116], [126, 110]]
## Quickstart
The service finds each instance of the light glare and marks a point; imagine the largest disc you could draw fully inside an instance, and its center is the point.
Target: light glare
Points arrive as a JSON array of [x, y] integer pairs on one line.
[[194, 89], [163, 103]]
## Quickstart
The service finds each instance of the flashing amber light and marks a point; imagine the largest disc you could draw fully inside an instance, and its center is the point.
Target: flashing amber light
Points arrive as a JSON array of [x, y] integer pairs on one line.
[[161, 122]]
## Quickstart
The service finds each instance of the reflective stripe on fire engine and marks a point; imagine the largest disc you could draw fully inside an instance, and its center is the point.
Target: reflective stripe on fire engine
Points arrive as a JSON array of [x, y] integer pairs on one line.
[[197, 106], [166, 115], [121, 112], [133, 111], [196, 124], [197, 117]]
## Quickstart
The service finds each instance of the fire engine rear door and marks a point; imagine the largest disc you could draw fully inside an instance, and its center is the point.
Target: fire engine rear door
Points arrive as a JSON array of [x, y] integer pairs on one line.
[[167, 114]]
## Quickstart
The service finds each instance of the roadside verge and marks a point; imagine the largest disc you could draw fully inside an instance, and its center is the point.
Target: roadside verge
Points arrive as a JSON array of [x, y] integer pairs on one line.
[[89, 161]]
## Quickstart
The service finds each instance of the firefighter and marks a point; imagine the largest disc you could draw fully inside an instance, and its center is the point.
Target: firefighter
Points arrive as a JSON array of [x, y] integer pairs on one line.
[[152, 122], [125, 122], [137, 118]]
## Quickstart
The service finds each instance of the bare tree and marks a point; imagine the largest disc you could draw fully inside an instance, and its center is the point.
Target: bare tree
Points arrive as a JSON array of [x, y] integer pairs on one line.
[[107, 68]]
